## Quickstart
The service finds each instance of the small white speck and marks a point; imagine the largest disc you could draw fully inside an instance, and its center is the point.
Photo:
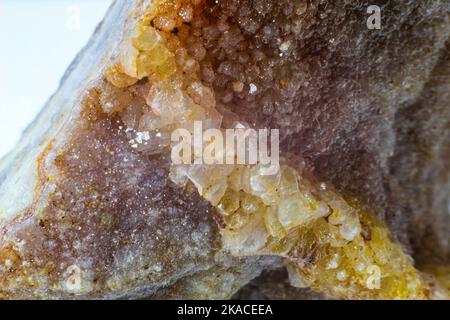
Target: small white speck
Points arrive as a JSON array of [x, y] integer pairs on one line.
[[334, 262], [360, 267], [341, 275], [284, 47], [8, 263], [157, 267], [198, 88], [253, 88]]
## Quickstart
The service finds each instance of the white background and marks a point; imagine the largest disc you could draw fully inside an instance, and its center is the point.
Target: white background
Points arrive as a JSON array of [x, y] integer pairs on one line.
[[38, 41]]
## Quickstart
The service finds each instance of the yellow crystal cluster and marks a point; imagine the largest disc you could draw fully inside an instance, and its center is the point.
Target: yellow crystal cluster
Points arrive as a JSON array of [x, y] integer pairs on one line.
[[173, 96], [330, 243], [150, 49]]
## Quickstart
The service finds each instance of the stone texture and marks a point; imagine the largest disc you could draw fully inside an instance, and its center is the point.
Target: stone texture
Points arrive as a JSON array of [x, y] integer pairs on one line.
[[367, 110]]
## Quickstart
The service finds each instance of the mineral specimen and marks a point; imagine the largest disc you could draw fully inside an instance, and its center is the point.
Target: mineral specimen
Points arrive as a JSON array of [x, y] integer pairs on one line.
[[93, 207]]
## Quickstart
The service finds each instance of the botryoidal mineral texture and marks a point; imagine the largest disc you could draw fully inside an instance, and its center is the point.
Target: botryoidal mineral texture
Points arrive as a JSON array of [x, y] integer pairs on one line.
[[91, 205]]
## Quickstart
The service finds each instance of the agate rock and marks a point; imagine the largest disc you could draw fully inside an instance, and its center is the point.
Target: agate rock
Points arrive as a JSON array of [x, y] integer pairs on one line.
[[91, 206]]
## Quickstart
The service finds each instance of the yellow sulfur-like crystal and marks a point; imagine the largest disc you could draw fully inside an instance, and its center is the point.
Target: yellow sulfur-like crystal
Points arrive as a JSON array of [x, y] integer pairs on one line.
[[165, 69], [325, 246], [229, 202], [117, 77], [250, 203], [238, 220], [147, 38], [235, 180], [167, 101], [288, 181], [248, 235], [273, 225], [331, 257], [148, 61], [265, 186], [294, 210], [215, 192], [261, 184]]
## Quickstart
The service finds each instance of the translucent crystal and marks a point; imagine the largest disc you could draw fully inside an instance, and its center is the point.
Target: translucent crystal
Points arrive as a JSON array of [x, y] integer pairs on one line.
[[295, 278], [113, 99], [167, 22], [288, 183], [237, 177], [350, 229], [128, 59], [273, 225], [186, 13], [250, 239], [237, 221], [250, 204], [165, 69], [294, 210], [149, 121], [167, 101], [215, 192], [147, 38], [202, 176], [265, 186], [336, 217], [117, 77], [149, 61], [201, 94], [131, 115], [178, 174], [229, 203]]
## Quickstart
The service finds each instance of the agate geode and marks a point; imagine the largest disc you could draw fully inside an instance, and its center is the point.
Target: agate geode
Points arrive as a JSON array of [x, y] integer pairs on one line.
[[92, 207]]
